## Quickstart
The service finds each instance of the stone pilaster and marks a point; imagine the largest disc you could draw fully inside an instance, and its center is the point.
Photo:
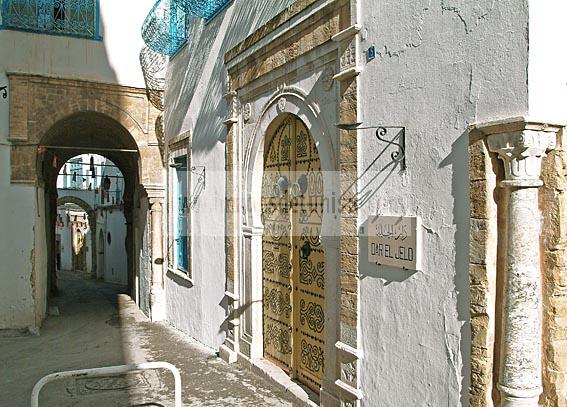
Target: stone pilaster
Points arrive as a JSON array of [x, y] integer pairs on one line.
[[157, 291], [229, 350], [522, 150]]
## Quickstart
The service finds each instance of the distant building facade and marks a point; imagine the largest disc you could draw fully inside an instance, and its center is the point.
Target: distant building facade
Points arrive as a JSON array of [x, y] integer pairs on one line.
[[91, 226]]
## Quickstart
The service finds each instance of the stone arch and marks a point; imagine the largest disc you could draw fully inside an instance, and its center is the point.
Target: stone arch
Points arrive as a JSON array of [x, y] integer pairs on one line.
[[84, 106], [74, 200], [79, 116], [91, 132], [56, 100]]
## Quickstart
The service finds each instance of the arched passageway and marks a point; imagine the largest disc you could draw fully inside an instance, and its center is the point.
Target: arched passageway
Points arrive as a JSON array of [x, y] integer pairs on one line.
[[94, 185], [68, 117], [90, 133]]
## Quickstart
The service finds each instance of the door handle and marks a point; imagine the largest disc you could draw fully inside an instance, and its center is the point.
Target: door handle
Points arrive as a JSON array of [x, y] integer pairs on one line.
[[305, 250]]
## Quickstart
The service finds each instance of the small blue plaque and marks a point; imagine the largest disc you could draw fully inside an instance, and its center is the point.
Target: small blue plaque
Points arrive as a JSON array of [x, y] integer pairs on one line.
[[371, 53]]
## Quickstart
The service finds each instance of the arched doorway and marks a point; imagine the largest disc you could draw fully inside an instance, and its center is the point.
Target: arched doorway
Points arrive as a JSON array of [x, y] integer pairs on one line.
[[293, 266], [89, 133]]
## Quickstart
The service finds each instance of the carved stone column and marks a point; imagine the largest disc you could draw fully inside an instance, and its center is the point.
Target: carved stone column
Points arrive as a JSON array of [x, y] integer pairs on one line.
[[522, 151], [157, 292]]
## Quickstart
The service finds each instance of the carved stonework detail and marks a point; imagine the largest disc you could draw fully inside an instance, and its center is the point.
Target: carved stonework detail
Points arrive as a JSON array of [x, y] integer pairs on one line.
[[228, 84], [233, 107], [247, 112], [349, 373], [282, 102], [522, 153], [348, 58]]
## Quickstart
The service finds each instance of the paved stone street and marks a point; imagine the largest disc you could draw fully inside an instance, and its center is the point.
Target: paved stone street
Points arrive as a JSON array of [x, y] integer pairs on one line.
[[98, 326]]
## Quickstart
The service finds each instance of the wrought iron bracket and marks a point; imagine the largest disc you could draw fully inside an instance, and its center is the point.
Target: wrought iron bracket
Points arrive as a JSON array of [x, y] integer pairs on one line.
[[200, 172], [398, 140], [4, 90]]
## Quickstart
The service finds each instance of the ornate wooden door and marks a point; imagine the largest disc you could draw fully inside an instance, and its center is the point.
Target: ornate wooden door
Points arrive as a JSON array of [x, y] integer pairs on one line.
[[293, 259]]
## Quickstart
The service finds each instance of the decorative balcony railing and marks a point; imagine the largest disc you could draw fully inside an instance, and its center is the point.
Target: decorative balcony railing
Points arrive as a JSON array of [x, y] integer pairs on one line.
[[165, 28], [205, 9], [65, 17], [153, 69]]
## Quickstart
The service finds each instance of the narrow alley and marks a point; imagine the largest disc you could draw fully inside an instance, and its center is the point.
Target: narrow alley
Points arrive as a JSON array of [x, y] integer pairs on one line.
[[334, 203], [99, 326]]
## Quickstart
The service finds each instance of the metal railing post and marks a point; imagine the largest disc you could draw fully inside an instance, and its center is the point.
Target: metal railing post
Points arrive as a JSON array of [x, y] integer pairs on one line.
[[110, 370]]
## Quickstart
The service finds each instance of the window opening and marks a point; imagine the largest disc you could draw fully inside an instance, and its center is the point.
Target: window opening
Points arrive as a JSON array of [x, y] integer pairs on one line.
[[64, 17], [181, 213]]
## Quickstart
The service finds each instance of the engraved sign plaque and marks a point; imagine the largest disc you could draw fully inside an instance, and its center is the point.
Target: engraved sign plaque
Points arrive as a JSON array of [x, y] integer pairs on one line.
[[395, 241]]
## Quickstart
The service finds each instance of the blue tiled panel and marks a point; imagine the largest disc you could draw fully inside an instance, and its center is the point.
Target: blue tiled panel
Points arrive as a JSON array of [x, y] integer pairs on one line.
[[66, 17]]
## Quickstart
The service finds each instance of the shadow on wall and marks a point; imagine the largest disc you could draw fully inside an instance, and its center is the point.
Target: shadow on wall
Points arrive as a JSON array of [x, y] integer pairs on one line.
[[200, 86], [84, 309], [458, 159]]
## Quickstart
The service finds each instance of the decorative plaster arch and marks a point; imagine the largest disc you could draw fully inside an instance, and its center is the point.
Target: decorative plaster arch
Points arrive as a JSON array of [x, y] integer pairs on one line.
[[289, 100]]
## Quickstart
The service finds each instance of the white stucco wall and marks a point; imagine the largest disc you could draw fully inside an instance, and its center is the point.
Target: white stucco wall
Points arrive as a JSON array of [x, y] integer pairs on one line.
[[439, 67], [116, 269], [112, 60], [194, 102], [18, 204], [16, 246], [66, 243]]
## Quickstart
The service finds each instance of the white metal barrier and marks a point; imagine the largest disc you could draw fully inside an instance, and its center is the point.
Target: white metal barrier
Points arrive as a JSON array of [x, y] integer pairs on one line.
[[110, 370]]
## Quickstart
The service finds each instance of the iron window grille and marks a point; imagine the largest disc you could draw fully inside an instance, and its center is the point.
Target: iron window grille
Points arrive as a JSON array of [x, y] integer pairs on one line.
[[76, 18], [181, 213], [165, 28], [205, 9]]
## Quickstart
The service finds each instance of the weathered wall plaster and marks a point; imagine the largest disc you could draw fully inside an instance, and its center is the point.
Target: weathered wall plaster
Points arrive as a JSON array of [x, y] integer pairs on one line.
[[112, 60], [195, 103], [440, 66], [16, 250]]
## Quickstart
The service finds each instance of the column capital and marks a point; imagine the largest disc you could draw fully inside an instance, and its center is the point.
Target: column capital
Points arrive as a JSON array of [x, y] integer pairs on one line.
[[522, 153], [521, 143], [155, 193]]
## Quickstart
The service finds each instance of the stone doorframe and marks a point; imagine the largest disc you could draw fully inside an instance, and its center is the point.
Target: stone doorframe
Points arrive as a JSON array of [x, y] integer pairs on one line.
[[304, 58]]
